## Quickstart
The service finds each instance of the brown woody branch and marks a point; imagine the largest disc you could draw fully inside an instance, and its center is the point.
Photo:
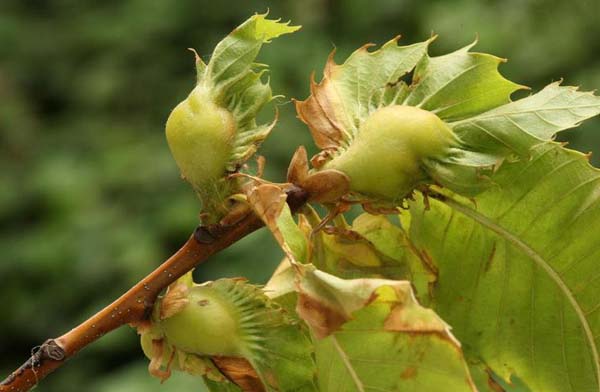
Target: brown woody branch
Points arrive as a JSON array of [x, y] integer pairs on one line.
[[135, 305]]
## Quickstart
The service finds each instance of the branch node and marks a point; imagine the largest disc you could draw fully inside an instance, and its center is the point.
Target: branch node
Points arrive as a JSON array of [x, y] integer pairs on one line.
[[203, 235], [50, 349], [296, 197]]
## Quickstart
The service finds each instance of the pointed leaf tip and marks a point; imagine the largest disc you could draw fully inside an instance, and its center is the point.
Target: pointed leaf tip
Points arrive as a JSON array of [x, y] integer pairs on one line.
[[267, 29]]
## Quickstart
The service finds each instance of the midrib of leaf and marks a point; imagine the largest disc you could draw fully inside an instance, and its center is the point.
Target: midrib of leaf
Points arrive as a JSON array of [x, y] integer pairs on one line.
[[538, 260], [211, 64], [358, 87], [534, 110], [348, 365], [564, 353]]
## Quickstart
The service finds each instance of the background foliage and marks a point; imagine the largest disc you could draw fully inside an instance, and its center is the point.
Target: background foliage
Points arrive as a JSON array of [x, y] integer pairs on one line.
[[90, 199]]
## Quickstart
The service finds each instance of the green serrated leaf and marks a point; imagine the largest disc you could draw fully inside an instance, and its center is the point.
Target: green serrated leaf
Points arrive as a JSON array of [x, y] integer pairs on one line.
[[234, 80], [518, 272], [460, 84], [518, 125], [233, 58]]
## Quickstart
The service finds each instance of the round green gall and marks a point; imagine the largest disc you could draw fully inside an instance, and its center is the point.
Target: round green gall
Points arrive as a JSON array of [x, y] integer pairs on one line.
[[207, 325], [200, 135], [385, 158]]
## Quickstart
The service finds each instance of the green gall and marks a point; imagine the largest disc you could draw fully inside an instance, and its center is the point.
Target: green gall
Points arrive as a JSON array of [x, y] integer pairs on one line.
[[164, 358], [207, 325], [395, 121], [200, 135], [385, 159], [214, 131], [197, 327]]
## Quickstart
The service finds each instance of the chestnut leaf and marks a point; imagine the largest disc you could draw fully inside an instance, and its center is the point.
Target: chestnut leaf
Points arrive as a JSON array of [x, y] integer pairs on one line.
[[518, 270]]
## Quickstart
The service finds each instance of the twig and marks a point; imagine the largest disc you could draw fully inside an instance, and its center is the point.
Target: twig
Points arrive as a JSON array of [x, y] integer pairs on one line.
[[136, 304]]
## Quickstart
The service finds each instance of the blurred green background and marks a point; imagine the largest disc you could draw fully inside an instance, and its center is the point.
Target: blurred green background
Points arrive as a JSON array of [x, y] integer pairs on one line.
[[90, 199]]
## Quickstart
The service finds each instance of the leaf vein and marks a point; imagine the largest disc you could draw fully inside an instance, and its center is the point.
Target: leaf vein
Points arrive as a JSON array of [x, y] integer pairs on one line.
[[348, 365], [541, 262]]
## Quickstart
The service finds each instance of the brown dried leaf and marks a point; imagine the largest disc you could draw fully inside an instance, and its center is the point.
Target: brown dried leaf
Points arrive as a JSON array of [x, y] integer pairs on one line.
[[326, 186], [268, 202], [326, 302], [320, 159], [408, 316], [174, 300], [240, 372], [155, 366], [298, 168], [318, 111], [494, 386], [322, 319]]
